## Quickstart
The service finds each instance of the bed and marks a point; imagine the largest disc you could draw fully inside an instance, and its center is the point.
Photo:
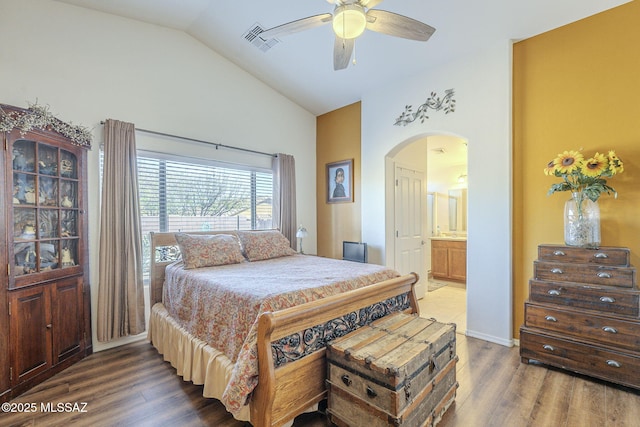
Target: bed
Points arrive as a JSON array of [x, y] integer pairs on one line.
[[273, 368]]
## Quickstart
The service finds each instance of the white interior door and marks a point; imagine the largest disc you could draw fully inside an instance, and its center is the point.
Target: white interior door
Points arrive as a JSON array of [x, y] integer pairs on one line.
[[410, 219]]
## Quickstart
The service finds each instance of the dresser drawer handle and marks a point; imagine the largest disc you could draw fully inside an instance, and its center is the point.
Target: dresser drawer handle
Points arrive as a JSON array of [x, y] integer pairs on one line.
[[554, 292], [604, 275], [613, 363], [607, 299], [558, 253], [601, 255], [371, 392], [548, 347], [610, 329], [550, 318], [346, 380], [556, 270]]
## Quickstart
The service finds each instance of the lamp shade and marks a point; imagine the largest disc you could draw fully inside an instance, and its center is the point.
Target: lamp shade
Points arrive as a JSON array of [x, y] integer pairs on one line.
[[349, 21], [302, 232]]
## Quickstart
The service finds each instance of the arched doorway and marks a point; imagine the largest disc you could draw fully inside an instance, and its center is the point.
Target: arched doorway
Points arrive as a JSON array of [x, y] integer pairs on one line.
[[426, 187]]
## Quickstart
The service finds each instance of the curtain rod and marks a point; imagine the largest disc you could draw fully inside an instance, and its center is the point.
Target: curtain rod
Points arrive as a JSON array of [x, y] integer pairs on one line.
[[217, 145]]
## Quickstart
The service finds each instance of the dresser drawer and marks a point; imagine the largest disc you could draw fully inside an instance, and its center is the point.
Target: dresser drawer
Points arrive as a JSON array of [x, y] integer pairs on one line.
[[603, 256], [599, 362], [600, 298], [623, 277], [610, 331]]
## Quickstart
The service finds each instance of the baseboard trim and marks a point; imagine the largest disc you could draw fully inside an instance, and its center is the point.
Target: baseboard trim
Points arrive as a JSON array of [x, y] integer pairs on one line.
[[490, 338]]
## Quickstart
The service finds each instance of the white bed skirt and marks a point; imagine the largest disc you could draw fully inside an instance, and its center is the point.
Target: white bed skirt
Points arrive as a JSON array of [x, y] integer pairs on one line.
[[194, 359]]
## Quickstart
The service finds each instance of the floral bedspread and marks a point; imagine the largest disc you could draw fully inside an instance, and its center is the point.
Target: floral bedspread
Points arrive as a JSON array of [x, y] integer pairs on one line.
[[221, 305]]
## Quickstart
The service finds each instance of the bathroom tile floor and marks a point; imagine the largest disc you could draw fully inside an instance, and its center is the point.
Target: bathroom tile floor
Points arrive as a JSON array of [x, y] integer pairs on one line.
[[447, 304]]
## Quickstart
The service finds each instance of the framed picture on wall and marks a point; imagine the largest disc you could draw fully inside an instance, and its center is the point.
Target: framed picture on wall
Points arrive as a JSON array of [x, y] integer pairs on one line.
[[340, 181]]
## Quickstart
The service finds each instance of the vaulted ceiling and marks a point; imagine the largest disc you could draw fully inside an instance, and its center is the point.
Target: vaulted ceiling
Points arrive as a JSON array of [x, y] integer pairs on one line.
[[300, 65]]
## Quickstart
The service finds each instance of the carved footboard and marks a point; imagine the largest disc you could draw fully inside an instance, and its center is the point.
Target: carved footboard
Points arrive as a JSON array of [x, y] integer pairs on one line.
[[291, 353]]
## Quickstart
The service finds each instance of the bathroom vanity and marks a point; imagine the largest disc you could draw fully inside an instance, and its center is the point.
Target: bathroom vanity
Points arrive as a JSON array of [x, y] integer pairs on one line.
[[449, 258]]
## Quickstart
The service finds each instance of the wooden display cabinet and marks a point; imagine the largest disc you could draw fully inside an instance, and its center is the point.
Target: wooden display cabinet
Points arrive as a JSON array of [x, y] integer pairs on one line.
[[46, 326]]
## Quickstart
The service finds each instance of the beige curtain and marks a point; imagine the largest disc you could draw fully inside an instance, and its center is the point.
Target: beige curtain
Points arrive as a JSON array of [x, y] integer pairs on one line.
[[284, 197], [120, 288]]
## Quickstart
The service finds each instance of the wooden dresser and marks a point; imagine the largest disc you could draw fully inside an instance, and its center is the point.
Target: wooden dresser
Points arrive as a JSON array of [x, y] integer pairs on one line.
[[583, 313]]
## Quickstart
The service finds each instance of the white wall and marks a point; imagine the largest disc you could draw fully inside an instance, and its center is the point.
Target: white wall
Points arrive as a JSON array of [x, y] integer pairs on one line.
[[89, 66], [482, 86]]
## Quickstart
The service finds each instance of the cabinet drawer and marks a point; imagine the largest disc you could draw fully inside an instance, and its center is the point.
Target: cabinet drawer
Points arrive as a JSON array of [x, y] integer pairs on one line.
[[457, 244], [623, 277], [595, 361], [595, 328], [603, 256], [599, 298]]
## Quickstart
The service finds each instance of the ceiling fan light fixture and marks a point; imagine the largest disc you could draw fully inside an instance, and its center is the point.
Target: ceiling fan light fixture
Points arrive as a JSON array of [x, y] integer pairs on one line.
[[349, 21]]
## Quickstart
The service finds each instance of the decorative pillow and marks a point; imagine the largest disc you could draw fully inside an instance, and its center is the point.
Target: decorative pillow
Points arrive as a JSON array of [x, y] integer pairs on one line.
[[259, 245], [200, 250]]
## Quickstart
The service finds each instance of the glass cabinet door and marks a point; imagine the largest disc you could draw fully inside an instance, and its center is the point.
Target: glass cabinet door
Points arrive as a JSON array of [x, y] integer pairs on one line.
[[45, 208]]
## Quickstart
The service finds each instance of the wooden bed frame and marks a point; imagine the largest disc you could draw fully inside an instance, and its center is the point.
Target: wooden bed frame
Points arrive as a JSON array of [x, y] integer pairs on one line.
[[287, 391]]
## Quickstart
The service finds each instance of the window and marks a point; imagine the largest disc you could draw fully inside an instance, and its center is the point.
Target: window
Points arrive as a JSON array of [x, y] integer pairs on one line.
[[187, 194]]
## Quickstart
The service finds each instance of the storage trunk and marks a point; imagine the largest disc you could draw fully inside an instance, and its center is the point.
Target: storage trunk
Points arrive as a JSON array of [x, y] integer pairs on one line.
[[399, 370]]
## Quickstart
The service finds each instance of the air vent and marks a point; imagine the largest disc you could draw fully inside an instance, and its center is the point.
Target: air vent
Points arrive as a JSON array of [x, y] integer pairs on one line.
[[253, 37]]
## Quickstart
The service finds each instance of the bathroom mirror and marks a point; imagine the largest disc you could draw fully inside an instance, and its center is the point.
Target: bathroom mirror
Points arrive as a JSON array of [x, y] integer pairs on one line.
[[458, 210], [453, 212], [431, 214]]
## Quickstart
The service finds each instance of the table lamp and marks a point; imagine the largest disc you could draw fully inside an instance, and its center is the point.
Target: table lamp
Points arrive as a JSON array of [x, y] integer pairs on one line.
[[301, 234]]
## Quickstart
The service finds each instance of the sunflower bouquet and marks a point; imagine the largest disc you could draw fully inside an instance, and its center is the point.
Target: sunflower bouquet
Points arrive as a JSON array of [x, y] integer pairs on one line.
[[586, 177]]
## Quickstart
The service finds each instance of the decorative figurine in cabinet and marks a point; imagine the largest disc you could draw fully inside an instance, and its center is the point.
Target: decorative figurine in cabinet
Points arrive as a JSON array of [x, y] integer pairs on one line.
[[43, 182]]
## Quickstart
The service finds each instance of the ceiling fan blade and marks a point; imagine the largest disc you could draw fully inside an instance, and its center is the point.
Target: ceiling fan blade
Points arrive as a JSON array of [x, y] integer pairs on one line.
[[370, 3], [295, 26], [396, 25], [342, 50]]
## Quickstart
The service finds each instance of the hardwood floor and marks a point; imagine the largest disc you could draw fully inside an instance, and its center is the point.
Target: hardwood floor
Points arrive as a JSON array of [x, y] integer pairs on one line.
[[133, 386]]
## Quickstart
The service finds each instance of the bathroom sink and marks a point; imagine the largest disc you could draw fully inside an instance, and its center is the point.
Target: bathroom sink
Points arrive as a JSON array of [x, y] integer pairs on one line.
[[450, 237]]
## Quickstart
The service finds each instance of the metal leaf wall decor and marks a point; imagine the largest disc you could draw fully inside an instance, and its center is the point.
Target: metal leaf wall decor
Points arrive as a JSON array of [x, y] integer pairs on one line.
[[433, 102]]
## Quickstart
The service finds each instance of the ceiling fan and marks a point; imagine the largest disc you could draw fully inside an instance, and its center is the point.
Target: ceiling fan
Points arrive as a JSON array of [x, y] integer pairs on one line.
[[349, 20]]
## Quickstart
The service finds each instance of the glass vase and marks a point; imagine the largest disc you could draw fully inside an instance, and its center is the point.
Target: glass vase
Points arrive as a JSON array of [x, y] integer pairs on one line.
[[581, 221]]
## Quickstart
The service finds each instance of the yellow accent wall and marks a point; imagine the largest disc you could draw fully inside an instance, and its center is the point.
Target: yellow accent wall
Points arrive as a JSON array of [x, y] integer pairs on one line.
[[338, 138], [575, 87]]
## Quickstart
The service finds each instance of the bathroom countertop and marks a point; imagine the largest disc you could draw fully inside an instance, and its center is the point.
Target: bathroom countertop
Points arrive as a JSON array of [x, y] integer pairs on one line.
[[456, 238]]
